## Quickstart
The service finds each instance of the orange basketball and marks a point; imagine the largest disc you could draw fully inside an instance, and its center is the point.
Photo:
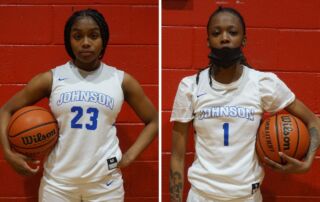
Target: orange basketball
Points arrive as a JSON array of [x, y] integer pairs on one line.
[[282, 133], [32, 131]]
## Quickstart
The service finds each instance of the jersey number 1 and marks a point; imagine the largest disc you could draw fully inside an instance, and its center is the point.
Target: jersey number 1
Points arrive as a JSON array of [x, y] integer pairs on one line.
[[226, 134]]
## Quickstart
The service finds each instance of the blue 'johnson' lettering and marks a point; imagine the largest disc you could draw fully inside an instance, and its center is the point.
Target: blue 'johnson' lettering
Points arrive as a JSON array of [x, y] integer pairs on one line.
[[226, 111], [86, 96]]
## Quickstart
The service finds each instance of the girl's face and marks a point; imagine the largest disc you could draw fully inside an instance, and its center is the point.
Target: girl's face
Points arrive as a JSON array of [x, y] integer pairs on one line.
[[86, 43], [225, 30]]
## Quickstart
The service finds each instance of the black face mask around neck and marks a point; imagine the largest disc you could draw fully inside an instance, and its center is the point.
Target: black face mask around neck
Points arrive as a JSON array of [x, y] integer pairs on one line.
[[225, 57]]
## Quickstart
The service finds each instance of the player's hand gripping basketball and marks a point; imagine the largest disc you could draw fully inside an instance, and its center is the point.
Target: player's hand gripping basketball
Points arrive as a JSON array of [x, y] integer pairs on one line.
[[292, 166], [20, 164]]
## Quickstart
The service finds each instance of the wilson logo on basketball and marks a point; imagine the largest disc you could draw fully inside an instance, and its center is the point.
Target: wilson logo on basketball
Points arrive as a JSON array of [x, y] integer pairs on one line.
[[287, 128], [33, 131], [38, 137], [282, 133]]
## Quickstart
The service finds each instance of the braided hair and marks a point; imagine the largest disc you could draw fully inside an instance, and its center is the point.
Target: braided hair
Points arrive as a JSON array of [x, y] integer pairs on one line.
[[98, 18], [243, 59]]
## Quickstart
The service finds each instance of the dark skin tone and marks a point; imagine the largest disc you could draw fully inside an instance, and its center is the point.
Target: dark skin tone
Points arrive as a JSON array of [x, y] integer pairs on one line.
[[225, 30], [86, 44], [298, 109]]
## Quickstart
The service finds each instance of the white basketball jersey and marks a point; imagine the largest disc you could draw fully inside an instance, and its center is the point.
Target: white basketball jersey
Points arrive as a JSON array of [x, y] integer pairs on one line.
[[226, 118], [86, 105]]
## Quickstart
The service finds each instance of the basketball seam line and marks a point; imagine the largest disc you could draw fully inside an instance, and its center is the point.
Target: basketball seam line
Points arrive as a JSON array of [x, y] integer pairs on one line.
[[33, 128], [259, 142], [22, 114], [278, 142], [298, 141]]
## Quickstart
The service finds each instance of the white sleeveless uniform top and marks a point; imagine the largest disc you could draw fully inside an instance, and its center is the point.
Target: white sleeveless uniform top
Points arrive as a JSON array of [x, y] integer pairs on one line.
[[86, 105], [226, 118]]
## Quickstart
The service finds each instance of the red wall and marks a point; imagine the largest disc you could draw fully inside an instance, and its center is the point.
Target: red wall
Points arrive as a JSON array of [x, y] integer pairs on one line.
[[31, 41], [283, 37]]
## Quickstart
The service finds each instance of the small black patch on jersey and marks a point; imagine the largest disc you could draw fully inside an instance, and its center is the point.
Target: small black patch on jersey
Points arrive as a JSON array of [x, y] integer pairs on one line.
[[255, 187], [112, 163]]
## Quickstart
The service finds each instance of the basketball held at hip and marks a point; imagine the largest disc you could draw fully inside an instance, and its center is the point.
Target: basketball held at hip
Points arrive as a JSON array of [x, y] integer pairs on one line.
[[33, 131]]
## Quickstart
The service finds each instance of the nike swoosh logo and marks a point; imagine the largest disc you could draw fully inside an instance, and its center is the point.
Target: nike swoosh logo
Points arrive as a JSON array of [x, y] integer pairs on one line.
[[61, 79], [201, 95], [109, 183]]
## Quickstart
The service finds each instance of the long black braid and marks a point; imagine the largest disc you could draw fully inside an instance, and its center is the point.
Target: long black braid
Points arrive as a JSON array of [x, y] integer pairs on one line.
[[98, 18], [243, 59]]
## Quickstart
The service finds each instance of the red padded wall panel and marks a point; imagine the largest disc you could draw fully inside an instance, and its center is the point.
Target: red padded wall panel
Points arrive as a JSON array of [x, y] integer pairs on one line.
[[15, 20], [31, 41], [178, 43], [87, 2], [282, 37]]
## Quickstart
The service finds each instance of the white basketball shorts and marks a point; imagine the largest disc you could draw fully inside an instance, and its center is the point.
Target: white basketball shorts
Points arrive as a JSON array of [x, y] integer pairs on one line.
[[109, 189], [194, 196]]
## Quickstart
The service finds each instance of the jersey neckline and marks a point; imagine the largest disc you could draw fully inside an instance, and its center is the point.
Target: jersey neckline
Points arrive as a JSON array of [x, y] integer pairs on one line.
[[84, 73], [230, 86]]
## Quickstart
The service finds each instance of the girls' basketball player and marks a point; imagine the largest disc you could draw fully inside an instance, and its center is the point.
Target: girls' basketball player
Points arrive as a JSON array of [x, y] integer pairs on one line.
[[85, 95], [225, 102]]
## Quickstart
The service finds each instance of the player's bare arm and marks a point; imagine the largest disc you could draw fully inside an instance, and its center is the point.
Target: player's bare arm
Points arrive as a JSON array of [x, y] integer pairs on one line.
[[297, 108], [38, 88], [179, 144], [139, 102]]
